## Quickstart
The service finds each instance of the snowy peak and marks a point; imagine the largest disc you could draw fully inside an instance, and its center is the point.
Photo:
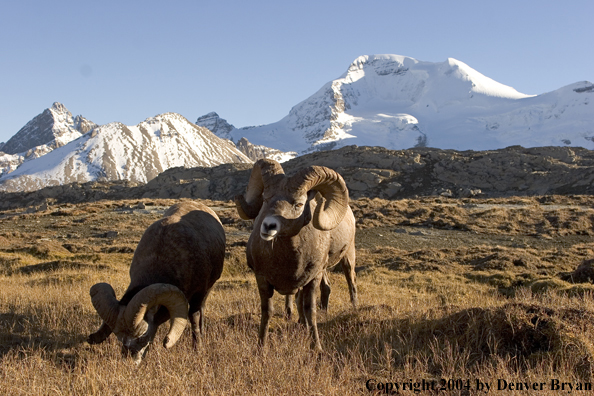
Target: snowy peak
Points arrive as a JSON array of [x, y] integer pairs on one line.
[[403, 80], [54, 127], [479, 83]]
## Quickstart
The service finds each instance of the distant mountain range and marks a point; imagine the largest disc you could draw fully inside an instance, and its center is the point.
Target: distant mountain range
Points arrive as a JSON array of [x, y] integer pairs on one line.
[[118, 152], [382, 100]]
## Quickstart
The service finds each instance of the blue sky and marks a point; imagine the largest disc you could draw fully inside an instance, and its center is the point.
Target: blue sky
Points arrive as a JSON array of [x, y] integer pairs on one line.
[[252, 61]]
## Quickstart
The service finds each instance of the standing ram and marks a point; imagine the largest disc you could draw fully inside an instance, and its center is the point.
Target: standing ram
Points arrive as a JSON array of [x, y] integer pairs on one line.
[[303, 225], [176, 263]]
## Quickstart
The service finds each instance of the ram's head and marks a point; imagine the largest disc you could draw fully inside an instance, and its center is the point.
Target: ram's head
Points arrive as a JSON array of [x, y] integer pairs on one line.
[[135, 323], [286, 204]]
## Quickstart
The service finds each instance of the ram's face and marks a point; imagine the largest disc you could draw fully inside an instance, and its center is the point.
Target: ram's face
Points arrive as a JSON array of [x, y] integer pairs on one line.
[[134, 344], [135, 347], [283, 215]]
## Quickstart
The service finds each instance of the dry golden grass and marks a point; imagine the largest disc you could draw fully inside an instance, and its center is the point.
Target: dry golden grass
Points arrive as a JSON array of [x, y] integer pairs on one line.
[[466, 311]]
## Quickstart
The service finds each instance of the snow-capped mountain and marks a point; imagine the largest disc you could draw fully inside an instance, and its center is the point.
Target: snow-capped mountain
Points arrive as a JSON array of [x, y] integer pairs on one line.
[[118, 152], [381, 100], [54, 127], [399, 102]]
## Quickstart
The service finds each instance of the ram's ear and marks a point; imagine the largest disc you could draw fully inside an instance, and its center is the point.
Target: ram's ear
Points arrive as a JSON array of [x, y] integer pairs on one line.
[[248, 211], [264, 173], [313, 198]]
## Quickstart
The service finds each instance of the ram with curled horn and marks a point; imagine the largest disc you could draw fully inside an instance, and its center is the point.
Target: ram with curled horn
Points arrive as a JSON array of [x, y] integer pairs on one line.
[[176, 263], [302, 225]]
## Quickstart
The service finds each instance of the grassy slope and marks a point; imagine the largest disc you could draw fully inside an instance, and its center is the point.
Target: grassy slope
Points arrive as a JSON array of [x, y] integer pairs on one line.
[[467, 311]]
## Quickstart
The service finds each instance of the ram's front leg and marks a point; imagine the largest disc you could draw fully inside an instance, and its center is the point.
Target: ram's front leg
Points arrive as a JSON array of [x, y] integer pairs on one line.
[[100, 335], [308, 296], [266, 291]]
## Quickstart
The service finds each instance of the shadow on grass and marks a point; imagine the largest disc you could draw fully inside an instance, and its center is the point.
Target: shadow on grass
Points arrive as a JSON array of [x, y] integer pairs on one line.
[[17, 337], [526, 335]]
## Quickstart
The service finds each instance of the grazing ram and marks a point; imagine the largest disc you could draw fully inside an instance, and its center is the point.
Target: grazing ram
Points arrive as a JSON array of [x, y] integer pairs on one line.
[[177, 261], [303, 225]]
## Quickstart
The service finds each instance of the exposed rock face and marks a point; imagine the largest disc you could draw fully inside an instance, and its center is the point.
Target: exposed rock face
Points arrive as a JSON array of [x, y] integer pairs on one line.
[[216, 125], [54, 127], [255, 152], [368, 172]]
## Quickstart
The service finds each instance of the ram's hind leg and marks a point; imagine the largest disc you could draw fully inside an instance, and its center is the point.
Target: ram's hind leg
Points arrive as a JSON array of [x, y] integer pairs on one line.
[[289, 298], [196, 314], [348, 267], [325, 291]]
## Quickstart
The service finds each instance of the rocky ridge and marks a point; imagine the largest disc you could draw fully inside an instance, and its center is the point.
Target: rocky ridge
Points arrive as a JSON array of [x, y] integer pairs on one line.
[[53, 127], [215, 124], [368, 171], [255, 152], [220, 127]]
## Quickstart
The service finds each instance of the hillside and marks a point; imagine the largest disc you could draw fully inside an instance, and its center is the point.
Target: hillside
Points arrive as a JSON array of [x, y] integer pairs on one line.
[[368, 171]]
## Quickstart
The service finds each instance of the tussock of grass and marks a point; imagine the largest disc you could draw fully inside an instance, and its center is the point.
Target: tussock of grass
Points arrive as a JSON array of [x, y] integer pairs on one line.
[[543, 285], [584, 273]]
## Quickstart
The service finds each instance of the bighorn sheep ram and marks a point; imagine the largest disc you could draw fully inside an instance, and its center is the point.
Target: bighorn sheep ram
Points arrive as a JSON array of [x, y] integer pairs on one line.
[[178, 260], [303, 225]]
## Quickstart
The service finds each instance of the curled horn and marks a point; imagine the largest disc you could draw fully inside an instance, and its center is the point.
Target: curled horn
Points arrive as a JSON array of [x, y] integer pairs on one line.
[[330, 212], [264, 170], [105, 302], [151, 296]]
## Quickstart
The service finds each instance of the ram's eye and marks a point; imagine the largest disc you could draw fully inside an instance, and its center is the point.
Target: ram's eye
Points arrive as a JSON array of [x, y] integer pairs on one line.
[[298, 205]]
